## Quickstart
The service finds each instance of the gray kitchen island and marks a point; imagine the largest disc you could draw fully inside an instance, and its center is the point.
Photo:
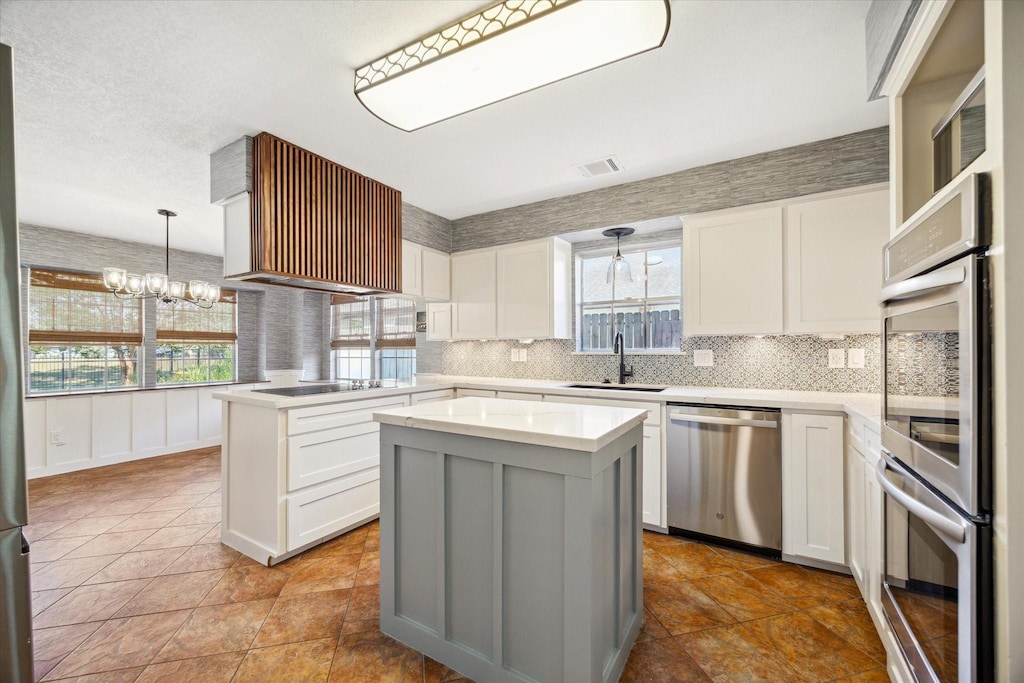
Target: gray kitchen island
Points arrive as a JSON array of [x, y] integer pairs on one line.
[[510, 536]]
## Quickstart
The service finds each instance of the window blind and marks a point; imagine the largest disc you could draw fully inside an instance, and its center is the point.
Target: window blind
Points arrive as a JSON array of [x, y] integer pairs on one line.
[[76, 309], [184, 322], [350, 322], [396, 324]]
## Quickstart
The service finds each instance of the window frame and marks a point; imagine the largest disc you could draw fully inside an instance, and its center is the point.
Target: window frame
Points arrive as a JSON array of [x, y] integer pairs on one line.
[[644, 302], [203, 339], [381, 345]]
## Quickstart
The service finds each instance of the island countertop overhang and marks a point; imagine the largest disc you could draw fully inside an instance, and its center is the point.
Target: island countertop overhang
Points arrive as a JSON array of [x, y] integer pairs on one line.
[[560, 425]]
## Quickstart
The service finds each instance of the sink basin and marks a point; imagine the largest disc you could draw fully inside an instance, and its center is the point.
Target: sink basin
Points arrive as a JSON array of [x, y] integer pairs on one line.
[[618, 387]]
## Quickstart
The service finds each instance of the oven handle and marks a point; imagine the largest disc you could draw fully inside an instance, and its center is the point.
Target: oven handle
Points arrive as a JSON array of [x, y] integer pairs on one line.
[[731, 421], [907, 289], [957, 532]]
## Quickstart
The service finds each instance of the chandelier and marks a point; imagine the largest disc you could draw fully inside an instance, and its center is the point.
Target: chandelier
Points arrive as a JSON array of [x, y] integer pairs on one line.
[[159, 286]]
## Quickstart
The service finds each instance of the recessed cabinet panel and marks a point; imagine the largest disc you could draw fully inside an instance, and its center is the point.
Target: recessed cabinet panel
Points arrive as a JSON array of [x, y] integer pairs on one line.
[[732, 273], [813, 524], [439, 322], [524, 293], [652, 477], [436, 275], [474, 308], [834, 263]]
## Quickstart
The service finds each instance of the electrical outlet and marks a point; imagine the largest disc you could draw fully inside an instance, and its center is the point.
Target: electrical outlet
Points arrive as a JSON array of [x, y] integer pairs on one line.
[[515, 355], [522, 355], [837, 358], [57, 437], [703, 358], [856, 358]]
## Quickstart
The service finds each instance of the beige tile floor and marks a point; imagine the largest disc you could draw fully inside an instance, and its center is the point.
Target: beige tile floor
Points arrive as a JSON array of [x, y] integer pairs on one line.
[[131, 583]]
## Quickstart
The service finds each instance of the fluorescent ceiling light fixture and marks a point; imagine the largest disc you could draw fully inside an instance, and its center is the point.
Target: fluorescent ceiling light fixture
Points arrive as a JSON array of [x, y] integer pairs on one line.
[[502, 51]]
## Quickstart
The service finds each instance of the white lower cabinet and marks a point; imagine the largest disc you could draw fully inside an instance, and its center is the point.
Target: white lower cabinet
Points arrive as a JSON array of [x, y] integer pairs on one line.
[[654, 460], [856, 510], [653, 508], [813, 513], [296, 477]]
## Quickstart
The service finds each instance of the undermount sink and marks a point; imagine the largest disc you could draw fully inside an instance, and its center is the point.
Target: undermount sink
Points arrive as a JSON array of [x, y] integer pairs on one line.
[[617, 387]]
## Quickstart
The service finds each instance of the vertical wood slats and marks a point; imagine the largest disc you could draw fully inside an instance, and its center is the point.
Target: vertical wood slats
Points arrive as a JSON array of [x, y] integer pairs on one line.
[[315, 219]]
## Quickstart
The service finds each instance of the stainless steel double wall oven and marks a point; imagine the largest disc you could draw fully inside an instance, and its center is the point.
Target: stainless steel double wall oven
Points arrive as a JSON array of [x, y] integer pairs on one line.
[[936, 453]]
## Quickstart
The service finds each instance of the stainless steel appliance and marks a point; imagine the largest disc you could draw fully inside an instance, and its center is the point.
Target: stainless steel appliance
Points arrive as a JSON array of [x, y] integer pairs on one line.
[[936, 465], [15, 611], [959, 136], [724, 474]]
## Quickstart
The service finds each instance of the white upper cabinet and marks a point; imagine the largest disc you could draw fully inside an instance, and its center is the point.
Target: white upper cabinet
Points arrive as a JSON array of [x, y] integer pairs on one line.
[[439, 322], [436, 275], [834, 263], [426, 272], [474, 298], [412, 268], [533, 285], [798, 267], [732, 273]]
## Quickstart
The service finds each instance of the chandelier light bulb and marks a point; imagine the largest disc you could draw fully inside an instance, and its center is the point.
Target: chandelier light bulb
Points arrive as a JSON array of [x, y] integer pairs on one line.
[[197, 290], [156, 283], [114, 278], [213, 293], [176, 290], [135, 284]]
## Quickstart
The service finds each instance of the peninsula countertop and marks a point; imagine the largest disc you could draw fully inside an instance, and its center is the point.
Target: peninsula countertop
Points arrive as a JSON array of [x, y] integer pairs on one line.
[[558, 425]]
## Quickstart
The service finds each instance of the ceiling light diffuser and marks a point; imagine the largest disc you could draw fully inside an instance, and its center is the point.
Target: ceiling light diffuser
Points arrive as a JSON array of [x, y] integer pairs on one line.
[[502, 51]]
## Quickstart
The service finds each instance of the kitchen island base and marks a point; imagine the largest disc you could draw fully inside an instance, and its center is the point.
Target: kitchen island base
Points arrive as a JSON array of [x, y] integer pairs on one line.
[[508, 561]]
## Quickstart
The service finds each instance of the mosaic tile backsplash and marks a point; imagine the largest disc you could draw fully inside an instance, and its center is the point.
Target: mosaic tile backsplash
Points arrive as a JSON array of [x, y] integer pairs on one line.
[[771, 362]]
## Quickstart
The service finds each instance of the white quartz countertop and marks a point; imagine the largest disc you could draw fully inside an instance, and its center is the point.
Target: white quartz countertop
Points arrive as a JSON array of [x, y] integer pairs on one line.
[[556, 425], [866, 407]]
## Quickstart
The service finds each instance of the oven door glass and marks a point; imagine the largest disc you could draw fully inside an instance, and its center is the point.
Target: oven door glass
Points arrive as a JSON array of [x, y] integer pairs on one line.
[[932, 380], [934, 583]]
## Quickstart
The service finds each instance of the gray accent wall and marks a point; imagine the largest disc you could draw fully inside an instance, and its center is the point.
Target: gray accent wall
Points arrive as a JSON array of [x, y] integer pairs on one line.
[[428, 229], [834, 164], [885, 27]]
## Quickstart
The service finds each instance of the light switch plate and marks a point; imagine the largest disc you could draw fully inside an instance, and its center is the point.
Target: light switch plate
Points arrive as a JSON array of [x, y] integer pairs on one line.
[[855, 358], [703, 358], [522, 355], [515, 355], [837, 358]]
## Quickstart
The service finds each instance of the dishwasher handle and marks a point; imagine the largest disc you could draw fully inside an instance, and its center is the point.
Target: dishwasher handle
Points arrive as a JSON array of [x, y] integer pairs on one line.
[[730, 421]]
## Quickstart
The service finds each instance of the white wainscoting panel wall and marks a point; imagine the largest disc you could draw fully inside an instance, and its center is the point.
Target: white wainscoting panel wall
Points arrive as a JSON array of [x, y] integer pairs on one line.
[[68, 433]]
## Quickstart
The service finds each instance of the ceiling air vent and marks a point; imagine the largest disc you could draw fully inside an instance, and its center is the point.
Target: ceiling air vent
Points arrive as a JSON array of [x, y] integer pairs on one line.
[[599, 167]]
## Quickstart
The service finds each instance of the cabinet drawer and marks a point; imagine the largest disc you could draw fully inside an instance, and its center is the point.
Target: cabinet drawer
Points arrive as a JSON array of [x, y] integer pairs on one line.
[[321, 511], [301, 420], [432, 396], [482, 393], [519, 396], [653, 409], [328, 454]]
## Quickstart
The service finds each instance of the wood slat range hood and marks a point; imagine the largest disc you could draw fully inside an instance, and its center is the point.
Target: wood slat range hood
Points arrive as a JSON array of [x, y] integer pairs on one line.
[[294, 218]]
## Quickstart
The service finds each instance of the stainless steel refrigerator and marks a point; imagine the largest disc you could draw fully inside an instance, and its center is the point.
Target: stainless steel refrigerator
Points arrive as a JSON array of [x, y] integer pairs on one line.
[[15, 610]]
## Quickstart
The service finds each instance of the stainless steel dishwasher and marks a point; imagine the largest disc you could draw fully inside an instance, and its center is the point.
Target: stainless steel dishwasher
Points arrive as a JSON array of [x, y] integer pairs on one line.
[[725, 475]]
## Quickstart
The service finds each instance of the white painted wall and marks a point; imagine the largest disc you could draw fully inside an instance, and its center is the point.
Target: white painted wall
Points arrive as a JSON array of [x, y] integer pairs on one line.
[[102, 429]]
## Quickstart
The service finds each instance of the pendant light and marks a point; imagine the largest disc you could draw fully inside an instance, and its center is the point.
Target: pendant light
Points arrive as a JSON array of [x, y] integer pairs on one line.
[[125, 285], [618, 269]]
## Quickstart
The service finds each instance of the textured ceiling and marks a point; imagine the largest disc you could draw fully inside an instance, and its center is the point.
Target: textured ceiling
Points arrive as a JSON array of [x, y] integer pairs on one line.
[[118, 104]]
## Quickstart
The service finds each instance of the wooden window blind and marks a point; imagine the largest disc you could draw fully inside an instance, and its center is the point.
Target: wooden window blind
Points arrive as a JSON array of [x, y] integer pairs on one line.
[[396, 324], [76, 309], [184, 322], [350, 322]]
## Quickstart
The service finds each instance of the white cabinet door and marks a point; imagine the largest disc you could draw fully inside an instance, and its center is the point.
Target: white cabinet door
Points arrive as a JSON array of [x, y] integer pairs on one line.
[[652, 506], [533, 282], [873, 540], [834, 263], [412, 268], [439, 322], [855, 516], [473, 295], [436, 275], [813, 524], [732, 272]]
